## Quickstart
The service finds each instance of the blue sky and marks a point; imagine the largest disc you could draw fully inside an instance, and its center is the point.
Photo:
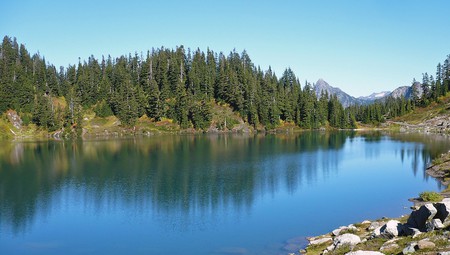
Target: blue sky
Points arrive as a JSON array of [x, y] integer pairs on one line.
[[361, 46]]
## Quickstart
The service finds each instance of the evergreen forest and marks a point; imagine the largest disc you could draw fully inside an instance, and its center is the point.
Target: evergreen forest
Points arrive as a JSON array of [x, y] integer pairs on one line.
[[182, 85]]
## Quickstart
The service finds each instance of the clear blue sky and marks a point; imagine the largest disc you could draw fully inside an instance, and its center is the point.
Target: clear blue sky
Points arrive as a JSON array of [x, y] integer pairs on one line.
[[361, 46]]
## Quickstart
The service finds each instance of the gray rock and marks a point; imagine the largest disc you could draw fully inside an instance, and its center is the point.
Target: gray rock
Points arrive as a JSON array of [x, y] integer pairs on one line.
[[346, 239], [374, 225], [443, 210], [435, 224], [409, 231], [391, 229], [366, 222], [410, 248], [352, 227], [364, 253], [337, 231], [444, 253], [376, 232], [387, 246], [418, 218], [330, 248], [425, 244], [320, 241]]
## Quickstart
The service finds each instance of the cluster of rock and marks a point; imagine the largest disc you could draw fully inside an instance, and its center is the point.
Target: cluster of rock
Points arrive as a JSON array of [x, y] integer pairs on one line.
[[427, 218], [438, 124], [14, 118]]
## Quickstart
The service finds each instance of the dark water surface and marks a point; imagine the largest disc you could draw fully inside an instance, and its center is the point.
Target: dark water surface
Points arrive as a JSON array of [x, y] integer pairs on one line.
[[226, 194]]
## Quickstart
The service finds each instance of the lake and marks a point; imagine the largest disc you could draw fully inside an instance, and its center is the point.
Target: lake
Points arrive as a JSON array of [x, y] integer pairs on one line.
[[203, 194]]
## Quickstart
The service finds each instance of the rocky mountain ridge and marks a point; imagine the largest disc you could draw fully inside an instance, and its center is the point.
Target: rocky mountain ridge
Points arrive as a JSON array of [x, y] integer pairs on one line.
[[347, 100]]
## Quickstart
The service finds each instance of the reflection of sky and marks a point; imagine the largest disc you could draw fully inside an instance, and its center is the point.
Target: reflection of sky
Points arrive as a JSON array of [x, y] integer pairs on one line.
[[253, 192]]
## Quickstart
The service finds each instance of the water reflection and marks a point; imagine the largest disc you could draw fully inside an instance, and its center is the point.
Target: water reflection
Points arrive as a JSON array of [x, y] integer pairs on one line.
[[169, 175]]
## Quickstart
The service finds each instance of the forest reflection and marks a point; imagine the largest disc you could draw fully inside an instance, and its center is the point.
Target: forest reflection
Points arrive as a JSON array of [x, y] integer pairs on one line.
[[175, 174]]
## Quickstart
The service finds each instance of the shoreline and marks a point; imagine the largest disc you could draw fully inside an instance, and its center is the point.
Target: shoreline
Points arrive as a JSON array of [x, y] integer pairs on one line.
[[368, 238]]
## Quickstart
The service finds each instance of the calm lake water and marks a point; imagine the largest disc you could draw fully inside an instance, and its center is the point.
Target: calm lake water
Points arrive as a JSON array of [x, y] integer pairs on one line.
[[225, 194]]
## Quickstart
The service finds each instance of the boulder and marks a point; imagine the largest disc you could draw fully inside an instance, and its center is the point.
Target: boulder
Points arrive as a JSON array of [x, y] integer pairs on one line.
[[366, 222], [364, 253], [374, 225], [443, 210], [337, 231], [410, 248], [419, 218], [434, 224], [391, 229], [409, 231], [425, 244], [444, 253], [330, 247], [387, 246], [346, 239], [320, 241]]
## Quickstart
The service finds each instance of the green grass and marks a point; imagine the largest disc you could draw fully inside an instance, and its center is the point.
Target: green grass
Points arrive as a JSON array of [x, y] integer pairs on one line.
[[431, 196]]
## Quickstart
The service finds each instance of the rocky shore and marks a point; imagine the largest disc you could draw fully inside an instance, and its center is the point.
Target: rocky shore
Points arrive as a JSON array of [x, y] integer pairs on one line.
[[425, 231]]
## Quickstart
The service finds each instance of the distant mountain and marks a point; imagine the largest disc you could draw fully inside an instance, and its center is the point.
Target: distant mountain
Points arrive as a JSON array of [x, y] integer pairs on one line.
[[344, 98], [347, 100], [375, 96], [407, 91]]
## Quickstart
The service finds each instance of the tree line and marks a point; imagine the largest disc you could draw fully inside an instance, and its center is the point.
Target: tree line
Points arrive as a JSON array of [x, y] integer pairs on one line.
[[430, 90], [177, 84]]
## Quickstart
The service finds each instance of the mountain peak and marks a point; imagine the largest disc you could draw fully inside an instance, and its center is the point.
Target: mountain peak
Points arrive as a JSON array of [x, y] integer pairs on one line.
[[323, 86], [322, 82]]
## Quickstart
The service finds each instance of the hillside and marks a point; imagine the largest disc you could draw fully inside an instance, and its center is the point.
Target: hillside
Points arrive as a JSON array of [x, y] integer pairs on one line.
[[432, 118]]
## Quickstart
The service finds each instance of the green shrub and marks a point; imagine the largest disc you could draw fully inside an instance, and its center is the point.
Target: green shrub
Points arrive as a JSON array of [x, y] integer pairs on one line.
[[103, 110], [431, 196]]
